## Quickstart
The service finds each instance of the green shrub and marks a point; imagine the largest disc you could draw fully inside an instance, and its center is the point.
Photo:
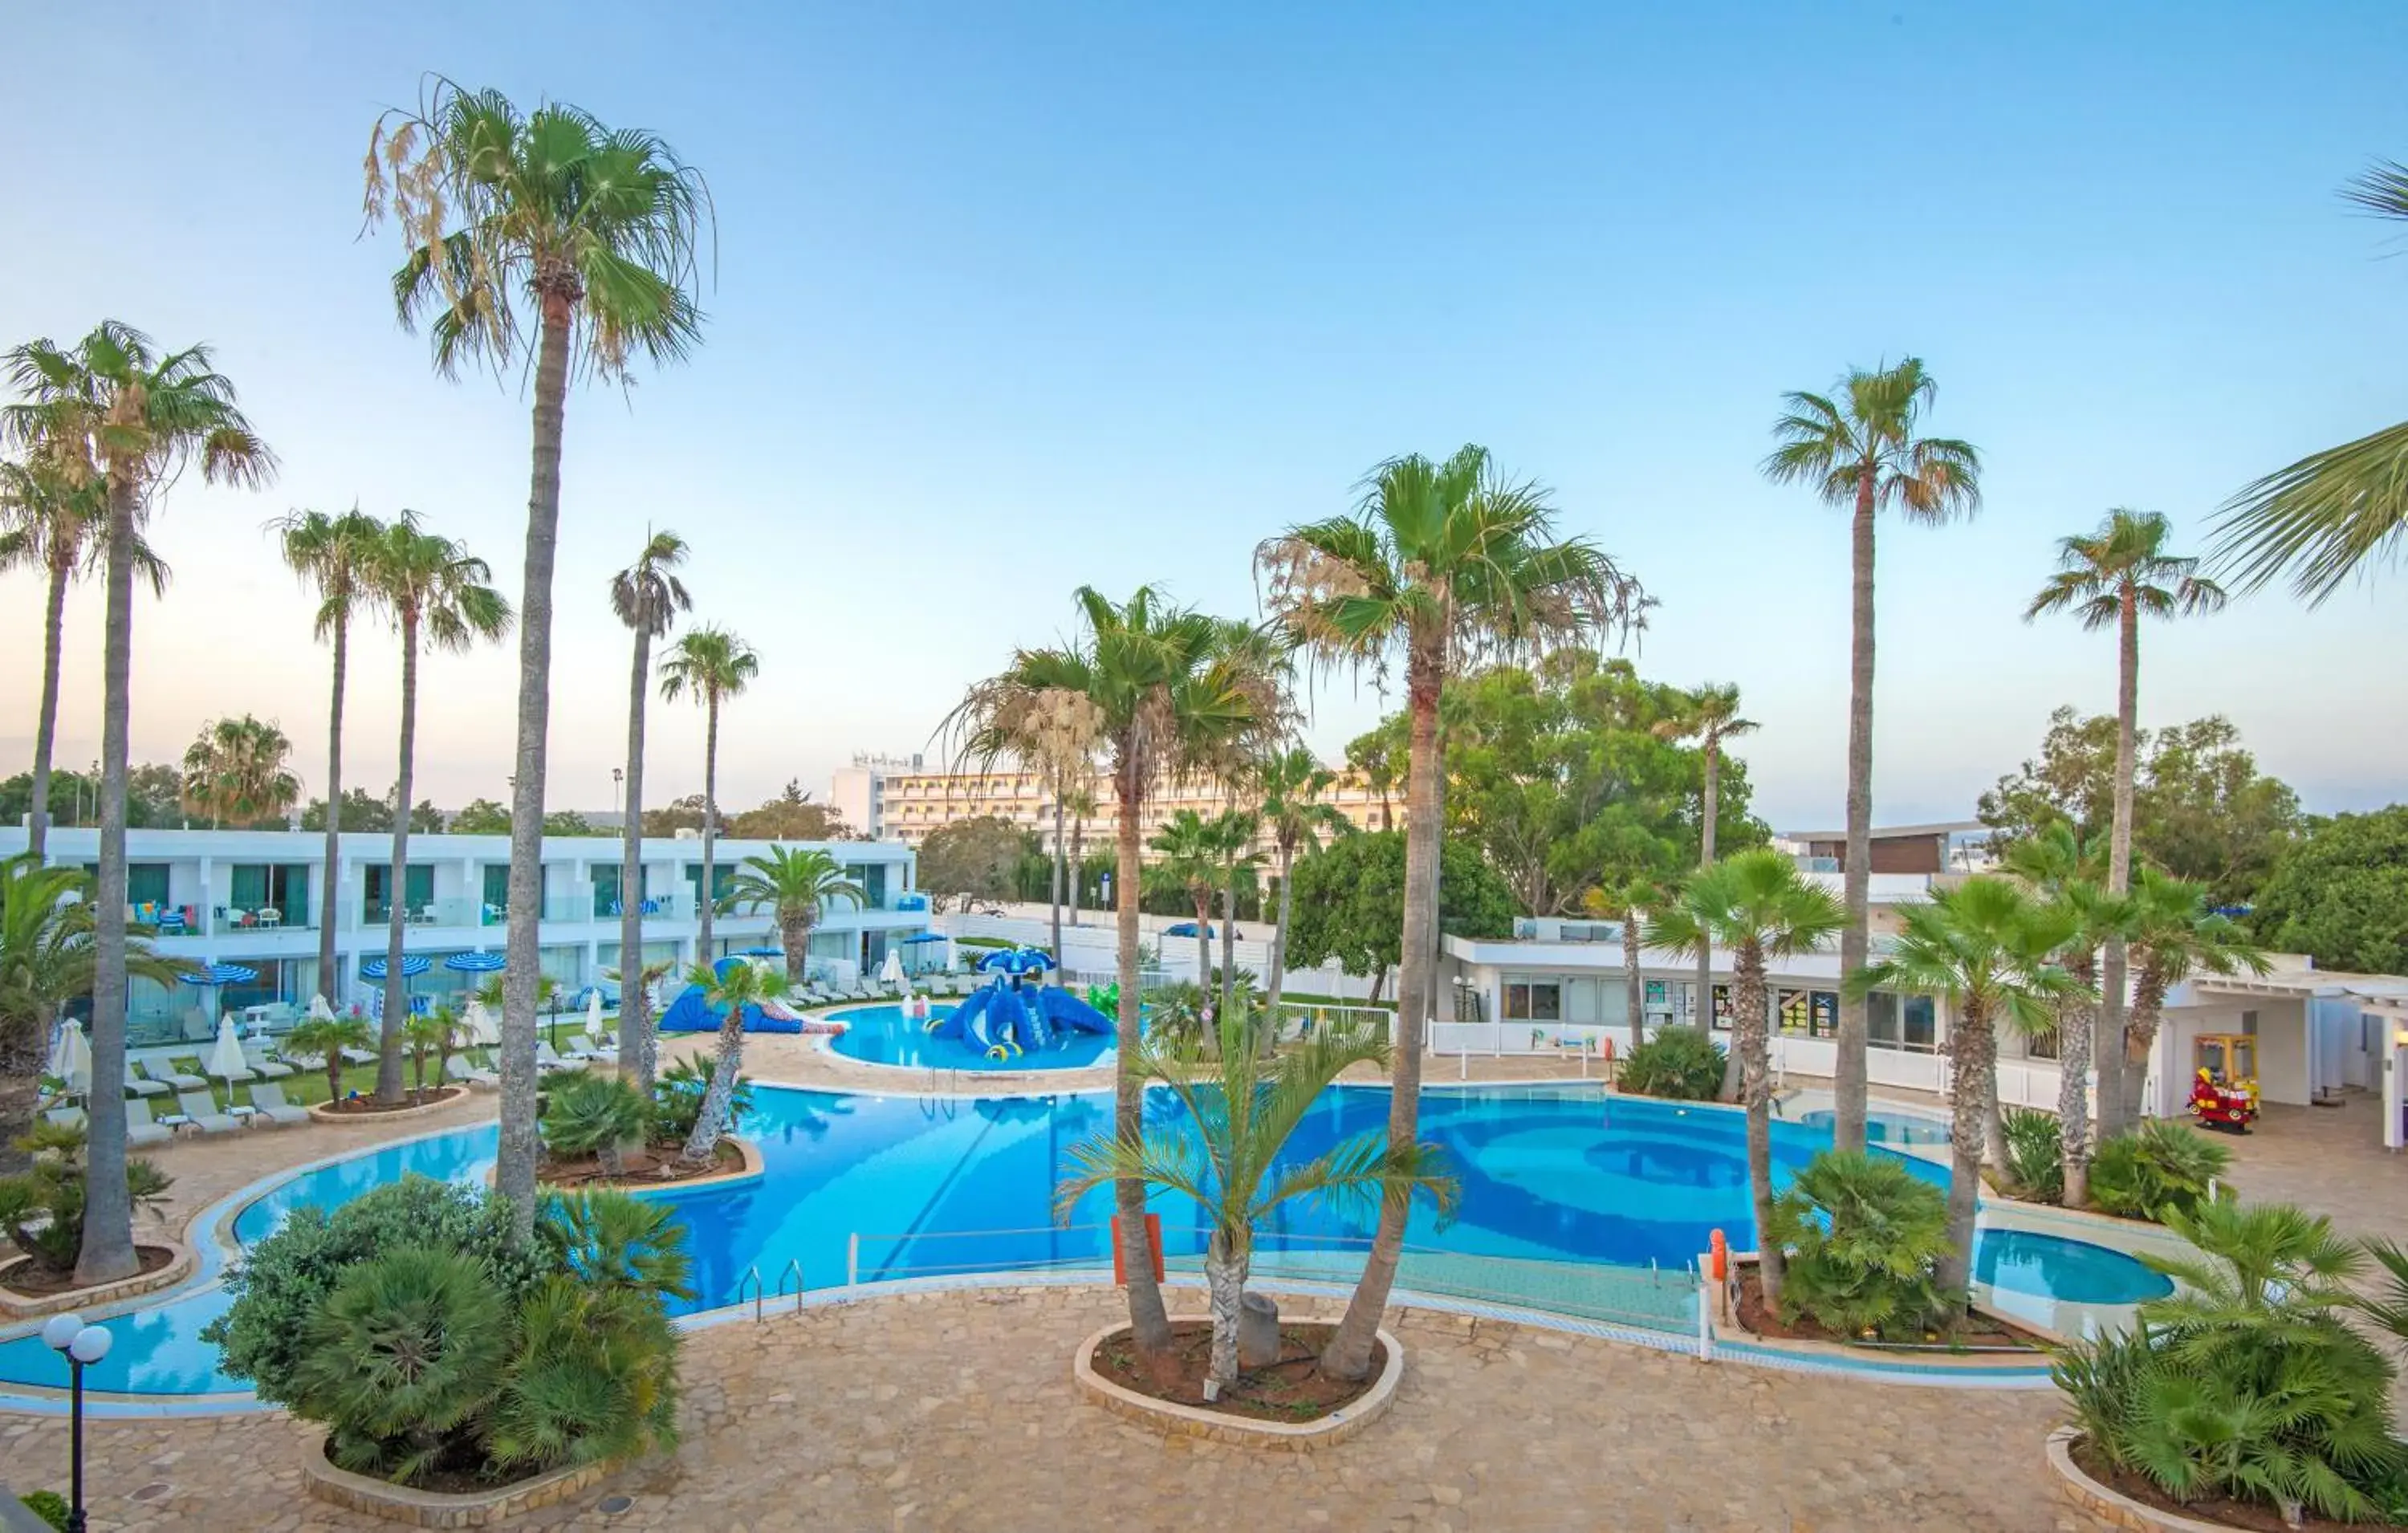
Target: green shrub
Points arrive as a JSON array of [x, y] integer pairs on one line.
[[41, 1208], [1679, 1063], [594, 1112], [2035, 1153], [50, 1506], [2162, 1164], [677, 1093], [402, 1360], [1863, 1232]]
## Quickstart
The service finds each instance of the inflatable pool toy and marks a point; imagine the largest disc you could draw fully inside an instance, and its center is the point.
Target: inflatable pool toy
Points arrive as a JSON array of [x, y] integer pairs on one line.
[[691, 1014], [1004, 1018]]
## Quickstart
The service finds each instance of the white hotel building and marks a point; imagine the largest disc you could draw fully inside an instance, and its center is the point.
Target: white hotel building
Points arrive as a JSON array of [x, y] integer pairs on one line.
[[256, 898]]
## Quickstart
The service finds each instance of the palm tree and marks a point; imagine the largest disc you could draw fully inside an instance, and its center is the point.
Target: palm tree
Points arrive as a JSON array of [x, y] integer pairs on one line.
[[1990, 950], [2070, 874], [646, 596], [46, 929], [1757, 905], [1233, 853], [713, 664], [1187, 859], [728, 989], [2115, 577], [328, 1037], [1710, 716], [2174, 935], [1445, 564], [1288, 785], [1627, 901], [1054, 732], [437, 591], [332, 553], [1175, 695], [53, 517], [1080, 803], [114, 406], [1370, 757], [797, 883], [237, 771], [1861, 452], [1242, 1106], [597, 232]]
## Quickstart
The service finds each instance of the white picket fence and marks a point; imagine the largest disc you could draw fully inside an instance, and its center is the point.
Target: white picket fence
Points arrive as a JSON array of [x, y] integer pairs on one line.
[[1093, 947]]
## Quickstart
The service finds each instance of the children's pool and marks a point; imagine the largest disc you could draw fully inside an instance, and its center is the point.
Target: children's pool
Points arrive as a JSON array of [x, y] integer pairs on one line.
[[882, 1035]]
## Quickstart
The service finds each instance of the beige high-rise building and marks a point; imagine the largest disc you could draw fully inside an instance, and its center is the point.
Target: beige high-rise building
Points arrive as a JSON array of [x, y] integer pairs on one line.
[[902, 798]]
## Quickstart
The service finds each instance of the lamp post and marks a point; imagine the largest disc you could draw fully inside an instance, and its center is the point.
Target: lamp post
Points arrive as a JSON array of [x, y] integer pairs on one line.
[[617, 776], [81, 1345]]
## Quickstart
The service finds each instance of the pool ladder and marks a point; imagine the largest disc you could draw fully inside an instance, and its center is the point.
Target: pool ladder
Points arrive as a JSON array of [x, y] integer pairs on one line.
[[794, 1274]]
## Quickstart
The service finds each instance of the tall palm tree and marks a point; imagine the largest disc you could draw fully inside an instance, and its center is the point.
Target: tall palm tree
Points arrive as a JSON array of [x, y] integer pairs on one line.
[[47, 941], [1054, 732], [1757, 905], [1444, 564], [2113, 577], [1369, 757], [2174, 935], [238, 769], [53, 518], [647, 596], [1234, 832], [1287, 789], [1861, 451], [1628, 900], [333, 554], [1243, 1105], [1710, 716], [1080, 804], [741, 984], [2072, 874], [438, 593], [597, 231], [2336, 512], [1187, 859], [711, 665], [794, 885], [117, 407], [1176, 694], [1990, 950]]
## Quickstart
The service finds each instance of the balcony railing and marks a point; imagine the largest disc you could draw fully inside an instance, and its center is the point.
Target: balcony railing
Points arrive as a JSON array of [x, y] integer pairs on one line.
[[678, 906], [226, 919], [432, 912]]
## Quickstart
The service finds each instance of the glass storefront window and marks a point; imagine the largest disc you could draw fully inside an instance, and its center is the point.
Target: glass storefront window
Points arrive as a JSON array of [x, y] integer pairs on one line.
[[1533, 1001]]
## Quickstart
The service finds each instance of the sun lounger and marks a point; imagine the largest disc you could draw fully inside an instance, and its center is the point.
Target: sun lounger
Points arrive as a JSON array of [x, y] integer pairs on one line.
[[360, 1056], [468, 1073], [140, 1129], [254, 1053], [267, 1098], [200, 1111], [65, 1117], [141, 1085], [548, 1058], [159, 1069]]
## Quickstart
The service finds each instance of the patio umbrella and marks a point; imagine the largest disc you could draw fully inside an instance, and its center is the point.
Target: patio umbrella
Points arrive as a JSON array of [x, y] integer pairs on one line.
[[319, 1010], [594, 1013], [71, 1059], [890, 973], [479, 1023], [226, 1059], [765, 952], [412, 966], [479, 962]]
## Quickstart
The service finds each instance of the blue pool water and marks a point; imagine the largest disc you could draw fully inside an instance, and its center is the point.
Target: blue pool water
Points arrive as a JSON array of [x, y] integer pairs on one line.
[[2049, 1267], [1887, 1127], [1552, 1175], [882, 1035]]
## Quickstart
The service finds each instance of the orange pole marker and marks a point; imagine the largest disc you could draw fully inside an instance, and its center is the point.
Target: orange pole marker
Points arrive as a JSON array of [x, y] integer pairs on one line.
[[1719, 1248]]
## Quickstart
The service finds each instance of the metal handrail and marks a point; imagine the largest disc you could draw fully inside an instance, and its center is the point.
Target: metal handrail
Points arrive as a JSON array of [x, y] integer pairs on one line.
[[795, 1270], [753, 1276]]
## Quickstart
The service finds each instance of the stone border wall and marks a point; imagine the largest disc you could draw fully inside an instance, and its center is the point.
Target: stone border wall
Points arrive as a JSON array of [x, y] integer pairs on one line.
[[434, 1509], [15, 1307], [319, 1111], [1220, 1426], [2113, 1508]]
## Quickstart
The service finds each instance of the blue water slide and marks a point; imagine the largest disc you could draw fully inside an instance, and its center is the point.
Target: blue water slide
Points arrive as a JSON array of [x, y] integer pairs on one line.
[[958, 1023], [1065, 1012], [1004, 1016]]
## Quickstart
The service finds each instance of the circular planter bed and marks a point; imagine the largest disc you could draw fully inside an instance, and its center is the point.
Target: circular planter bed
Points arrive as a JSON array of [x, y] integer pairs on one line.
[[1980, 1332], [482, 1508], [23, 1294], [1284, 1406], [656, 1170], [353, 1110], [2128, 1501]]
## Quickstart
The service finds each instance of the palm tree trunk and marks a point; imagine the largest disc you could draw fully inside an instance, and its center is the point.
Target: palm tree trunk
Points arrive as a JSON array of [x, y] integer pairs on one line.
[[795, 938], [2140, 1036], [1848, 1073], [1055, 978], [1754, 1050], [1279, 940], [396, 983], [1974, 1056], [1149, 1325], [46, 724], [636, 1043], [2073, 1042], [108, 1249], [1229, 945], [1349, 1352], [514, 1170], [330, 876], [1203, 903], [21, 1045], [710, 827], [702, 1145], [1634, 989], [2108, 1045], [1078, 864], [1224, 1278], [1709, 803]]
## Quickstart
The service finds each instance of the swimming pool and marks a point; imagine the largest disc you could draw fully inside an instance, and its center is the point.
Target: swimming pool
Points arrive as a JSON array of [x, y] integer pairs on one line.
[[1887, 1127], [2023, 1261], [1555, 1181], [882, 1035]]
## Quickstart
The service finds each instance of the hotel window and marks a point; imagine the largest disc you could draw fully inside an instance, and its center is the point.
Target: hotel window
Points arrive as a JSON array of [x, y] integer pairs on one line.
[[1901, 1022], [1534, 1000]]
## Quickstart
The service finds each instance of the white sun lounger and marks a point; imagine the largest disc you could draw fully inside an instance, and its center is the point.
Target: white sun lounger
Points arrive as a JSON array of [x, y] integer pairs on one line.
[[161, 1069], [254, 1053], [267, 1099], [465, 1071], [140, 1129], [200, 1112]]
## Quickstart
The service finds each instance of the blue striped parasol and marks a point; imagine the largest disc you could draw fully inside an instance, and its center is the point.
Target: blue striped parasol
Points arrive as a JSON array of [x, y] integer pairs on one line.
[[218, 974], [412, 966], [479, 962]]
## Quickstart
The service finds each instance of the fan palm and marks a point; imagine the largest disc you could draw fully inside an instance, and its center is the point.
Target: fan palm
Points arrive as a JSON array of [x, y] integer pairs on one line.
[[327, 1037], [115, 407], [711, 665], [597, 231], [1187, 859], [727, 988], [1242, 1105], [2068, 873], [1710, 716], [1861, 450], [1990, 950], [1755, 905], [2174, 936], [1627, 901], [439, 594], [1176, 695], [1442, 566], [2115, 577], [432, 1039], [53, 518], [333, 554], [796, 884], [647, 596], [237, 770], [1287, 788]]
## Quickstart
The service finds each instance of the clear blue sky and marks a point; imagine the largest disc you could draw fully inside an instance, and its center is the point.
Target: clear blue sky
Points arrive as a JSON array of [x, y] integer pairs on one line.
[[1013, 299]]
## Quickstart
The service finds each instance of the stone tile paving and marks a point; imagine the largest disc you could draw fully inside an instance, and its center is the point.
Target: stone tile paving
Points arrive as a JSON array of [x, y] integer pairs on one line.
[[2327, 1159], [956, 1411]]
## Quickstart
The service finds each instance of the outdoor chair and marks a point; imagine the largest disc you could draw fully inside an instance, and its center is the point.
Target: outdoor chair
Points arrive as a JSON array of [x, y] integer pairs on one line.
[[463, 1071], [200, 1111], [268, 1101], [69, 1116], [548, 1058], [141, 1085], [158, 1070], [254, 1053], [140, 1129]]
